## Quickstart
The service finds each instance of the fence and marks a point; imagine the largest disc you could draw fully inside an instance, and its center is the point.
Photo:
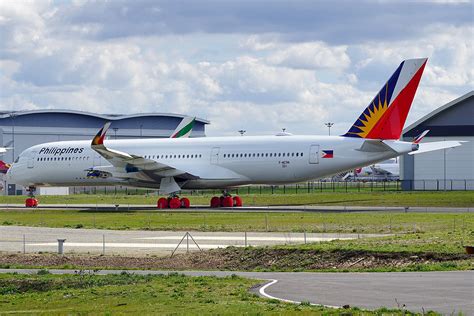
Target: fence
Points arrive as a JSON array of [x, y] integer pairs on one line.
[[120, 244], [307, 187]]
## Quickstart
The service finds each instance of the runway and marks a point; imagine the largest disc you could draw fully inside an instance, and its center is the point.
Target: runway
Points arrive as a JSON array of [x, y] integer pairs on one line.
[[444, 292], [98, 241], [272, 208]]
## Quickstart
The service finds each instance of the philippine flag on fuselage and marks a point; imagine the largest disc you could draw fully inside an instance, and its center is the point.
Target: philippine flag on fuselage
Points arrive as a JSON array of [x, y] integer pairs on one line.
[[328, 154]]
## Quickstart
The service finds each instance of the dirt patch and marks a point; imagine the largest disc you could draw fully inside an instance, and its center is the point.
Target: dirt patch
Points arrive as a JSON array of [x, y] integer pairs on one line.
[[241, 259]]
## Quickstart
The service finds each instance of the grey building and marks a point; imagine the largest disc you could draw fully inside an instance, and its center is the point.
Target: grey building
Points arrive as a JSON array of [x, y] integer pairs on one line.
[[450, 169], [23, 129]]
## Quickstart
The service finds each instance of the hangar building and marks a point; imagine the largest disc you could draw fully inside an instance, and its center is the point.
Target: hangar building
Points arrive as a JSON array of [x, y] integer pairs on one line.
[[23, 129], [450, 169]]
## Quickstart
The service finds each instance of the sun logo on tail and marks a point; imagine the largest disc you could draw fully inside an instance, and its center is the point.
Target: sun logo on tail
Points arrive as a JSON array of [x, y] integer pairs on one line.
[[372, 114]]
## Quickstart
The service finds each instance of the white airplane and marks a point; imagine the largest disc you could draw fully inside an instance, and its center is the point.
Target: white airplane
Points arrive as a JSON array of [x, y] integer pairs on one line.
[[171, 165], [386, 170]]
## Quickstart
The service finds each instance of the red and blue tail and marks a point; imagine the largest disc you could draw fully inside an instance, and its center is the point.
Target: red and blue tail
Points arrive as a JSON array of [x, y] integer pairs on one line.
[[4, 167], [385, 116]]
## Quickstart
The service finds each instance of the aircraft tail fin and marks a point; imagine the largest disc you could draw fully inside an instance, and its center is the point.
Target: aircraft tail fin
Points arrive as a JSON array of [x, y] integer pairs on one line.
[[4, 167], [184, 129], [385, 116]]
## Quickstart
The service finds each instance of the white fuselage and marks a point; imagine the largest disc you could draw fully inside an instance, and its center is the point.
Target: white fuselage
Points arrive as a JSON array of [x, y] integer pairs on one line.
[[257, 160]]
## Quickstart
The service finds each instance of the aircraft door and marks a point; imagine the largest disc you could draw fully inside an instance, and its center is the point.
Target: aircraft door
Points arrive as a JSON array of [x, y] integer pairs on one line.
[[215, 155], [314, 154], [31, 159]]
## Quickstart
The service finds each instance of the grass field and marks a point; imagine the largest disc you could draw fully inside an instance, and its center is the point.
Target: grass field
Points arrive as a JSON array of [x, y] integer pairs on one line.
[[360, 222], [410, 232], [125, 293], [395, 198]]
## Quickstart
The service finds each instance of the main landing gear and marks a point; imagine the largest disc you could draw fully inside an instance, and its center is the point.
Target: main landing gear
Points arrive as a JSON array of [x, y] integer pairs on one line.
[[173, 202], [31, 201], [226, 200]]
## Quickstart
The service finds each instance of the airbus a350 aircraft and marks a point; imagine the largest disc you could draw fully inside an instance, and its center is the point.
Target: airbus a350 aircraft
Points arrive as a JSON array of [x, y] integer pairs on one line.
[[225, 162]]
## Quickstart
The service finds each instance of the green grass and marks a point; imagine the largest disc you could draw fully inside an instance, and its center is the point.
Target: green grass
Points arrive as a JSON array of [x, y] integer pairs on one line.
[[125, 293], [395, 198], [435, 242], [359, 222]]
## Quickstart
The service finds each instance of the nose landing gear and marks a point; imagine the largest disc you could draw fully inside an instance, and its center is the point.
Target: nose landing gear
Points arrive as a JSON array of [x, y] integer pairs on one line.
[[31, 201]]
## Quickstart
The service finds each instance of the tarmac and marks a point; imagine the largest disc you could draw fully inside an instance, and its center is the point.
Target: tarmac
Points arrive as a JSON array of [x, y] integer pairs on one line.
[[139, 242], [446, 292], [276, 208]]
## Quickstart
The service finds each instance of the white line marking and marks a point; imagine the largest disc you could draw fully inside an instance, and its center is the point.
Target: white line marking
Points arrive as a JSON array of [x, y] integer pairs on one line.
[[251, 238], [272, 282], [126, 245]]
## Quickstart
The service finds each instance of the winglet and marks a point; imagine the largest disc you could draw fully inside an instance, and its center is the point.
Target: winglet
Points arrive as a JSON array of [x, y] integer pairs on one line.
[[184, 129], [99, 138], [418, 138]]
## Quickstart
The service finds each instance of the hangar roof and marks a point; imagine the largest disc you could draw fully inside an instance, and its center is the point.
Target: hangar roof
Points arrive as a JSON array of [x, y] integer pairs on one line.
[[452, 119], [112, 117]]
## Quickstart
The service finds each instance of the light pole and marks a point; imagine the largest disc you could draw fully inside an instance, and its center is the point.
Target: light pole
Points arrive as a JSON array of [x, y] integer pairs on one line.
[[329, 125], [242, 132], [115, 131], [141, 130], [12, 116]]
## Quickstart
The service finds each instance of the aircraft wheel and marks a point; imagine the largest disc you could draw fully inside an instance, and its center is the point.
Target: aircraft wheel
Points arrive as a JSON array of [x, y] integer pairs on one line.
[[185, 203], [237, 201], [30, 202], [215, 202], [162, 203], [228, 201], [174, 203]]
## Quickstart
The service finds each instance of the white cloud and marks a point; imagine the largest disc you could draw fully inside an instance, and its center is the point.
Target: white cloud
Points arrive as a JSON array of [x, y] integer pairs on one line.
[[312, 55], [56, 56]]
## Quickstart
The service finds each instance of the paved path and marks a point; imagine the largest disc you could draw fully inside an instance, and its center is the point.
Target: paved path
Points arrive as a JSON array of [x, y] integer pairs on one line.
[[445, 292], [137, 242], [277, 208]]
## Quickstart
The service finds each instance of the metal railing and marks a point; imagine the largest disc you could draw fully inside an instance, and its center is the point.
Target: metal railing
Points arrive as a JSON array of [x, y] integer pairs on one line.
[[306, 187]]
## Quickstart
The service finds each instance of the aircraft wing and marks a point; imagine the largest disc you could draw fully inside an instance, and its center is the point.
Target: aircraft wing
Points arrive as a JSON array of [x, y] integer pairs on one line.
[[4, 150], [131, 166], [427, 147]]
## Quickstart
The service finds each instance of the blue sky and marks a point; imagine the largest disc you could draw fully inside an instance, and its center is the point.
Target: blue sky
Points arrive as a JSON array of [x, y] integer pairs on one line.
[[253, 65]]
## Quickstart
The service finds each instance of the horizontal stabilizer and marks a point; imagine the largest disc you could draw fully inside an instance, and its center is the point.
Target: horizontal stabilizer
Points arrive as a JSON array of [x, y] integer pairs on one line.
[[372, 145], [427, 147]]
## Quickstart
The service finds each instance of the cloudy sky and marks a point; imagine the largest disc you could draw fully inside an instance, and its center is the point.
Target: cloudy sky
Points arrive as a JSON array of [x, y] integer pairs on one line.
[[253, 65]]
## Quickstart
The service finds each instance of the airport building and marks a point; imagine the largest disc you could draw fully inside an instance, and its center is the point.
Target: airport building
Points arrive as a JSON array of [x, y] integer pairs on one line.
[[20, 130], [450, 169], [23, 129]]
